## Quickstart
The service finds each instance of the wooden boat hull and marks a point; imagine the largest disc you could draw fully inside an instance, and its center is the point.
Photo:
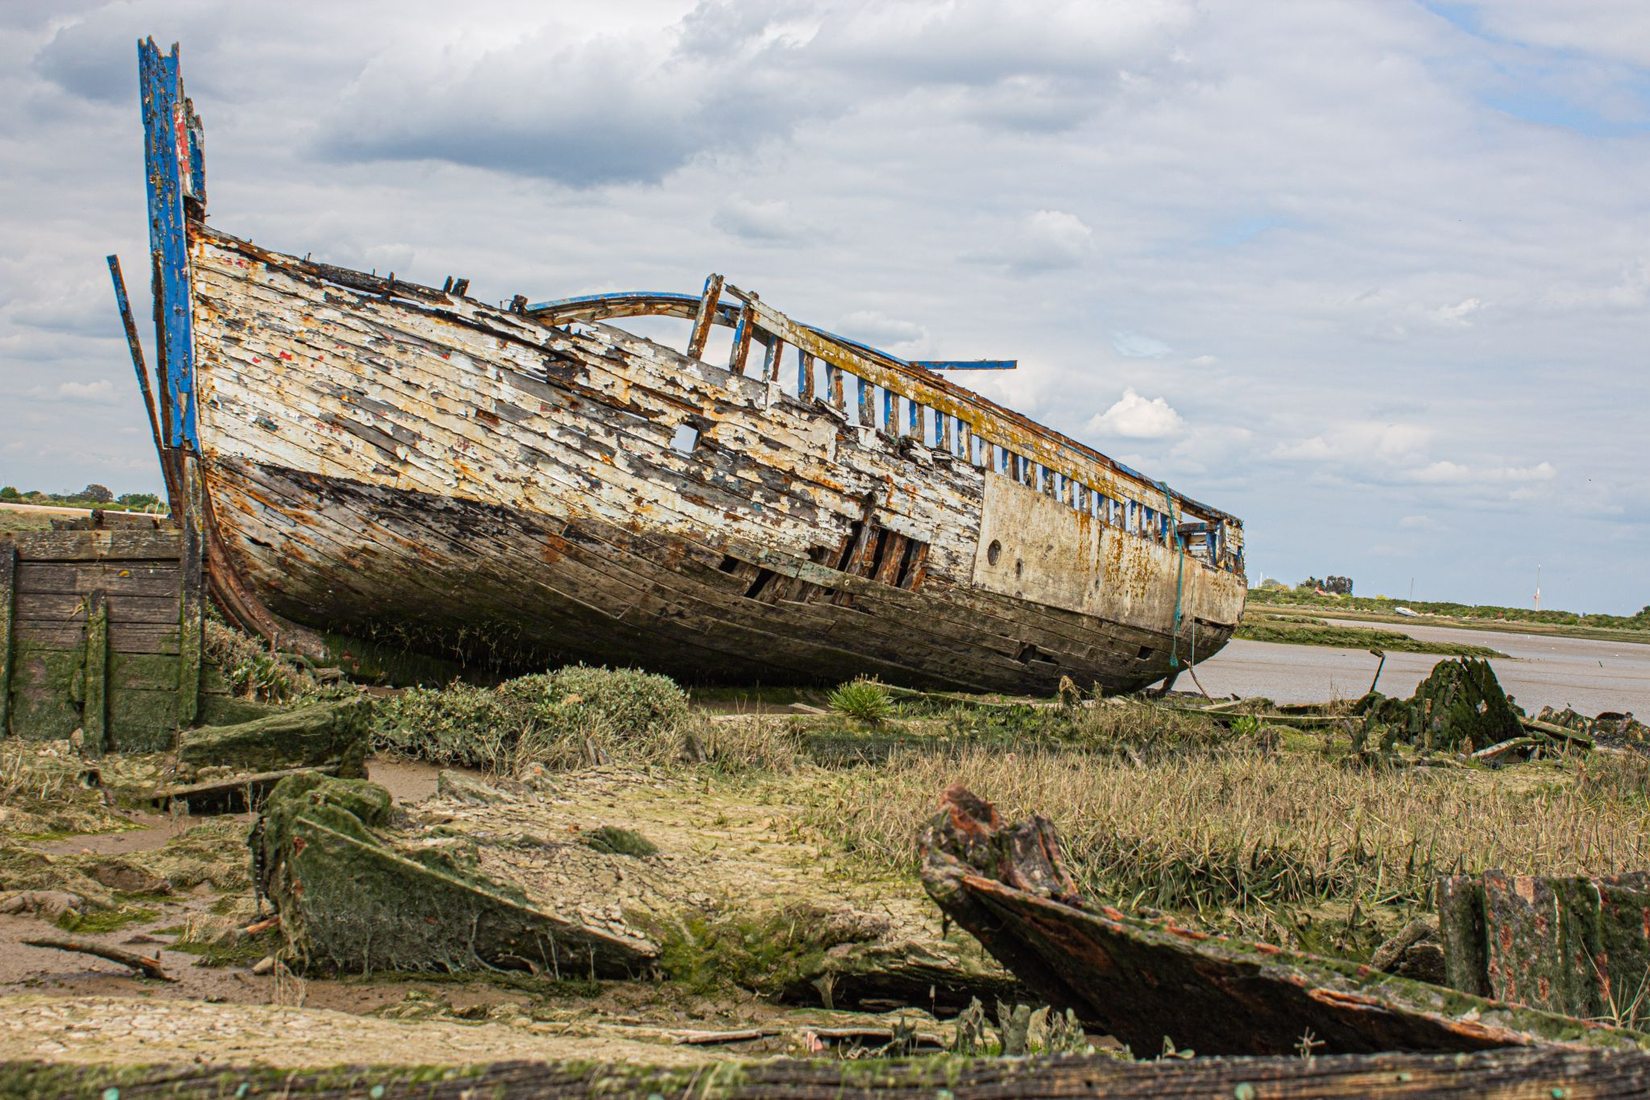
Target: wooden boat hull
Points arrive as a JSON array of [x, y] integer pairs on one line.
[[372, 469], [528, 485]]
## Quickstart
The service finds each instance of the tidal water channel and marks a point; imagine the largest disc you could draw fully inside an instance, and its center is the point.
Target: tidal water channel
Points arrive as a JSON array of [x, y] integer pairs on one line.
[[1539, 670]]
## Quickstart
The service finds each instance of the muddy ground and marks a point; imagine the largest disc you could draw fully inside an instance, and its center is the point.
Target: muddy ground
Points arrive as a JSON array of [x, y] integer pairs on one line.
[[723, 848]]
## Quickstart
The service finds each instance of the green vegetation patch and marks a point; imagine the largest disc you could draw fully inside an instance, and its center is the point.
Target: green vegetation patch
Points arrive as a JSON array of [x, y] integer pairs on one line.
[[570, 717], [614, 841], [1277, 628], [1296, 597]]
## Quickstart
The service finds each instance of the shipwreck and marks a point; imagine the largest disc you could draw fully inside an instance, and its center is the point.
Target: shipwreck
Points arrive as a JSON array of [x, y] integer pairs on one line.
[[532, 484]]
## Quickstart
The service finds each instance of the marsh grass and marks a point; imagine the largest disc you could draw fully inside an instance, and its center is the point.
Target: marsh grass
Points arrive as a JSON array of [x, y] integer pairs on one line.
[[1300, 847], [863, 701], [1278, 628], [44, 791]]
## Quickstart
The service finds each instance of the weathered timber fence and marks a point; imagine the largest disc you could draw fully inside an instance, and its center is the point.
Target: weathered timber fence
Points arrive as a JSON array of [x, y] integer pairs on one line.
[[100, 631]]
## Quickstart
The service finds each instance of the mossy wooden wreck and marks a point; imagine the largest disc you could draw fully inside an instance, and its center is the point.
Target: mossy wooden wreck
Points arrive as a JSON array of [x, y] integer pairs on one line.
[[533, 484]]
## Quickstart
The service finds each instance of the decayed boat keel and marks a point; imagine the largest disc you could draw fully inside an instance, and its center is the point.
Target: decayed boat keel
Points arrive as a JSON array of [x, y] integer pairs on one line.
[[534, 485]]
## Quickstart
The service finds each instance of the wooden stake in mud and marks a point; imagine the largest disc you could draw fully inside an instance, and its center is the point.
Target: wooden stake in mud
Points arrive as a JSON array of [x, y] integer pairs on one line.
[[94, 722], [8, 600], [191, 599]]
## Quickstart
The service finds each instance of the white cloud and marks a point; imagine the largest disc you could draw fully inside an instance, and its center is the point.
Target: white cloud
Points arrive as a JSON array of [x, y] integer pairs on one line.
[[101, 390], [1133, 345], [770, 221], [1444, 472], [1359, 441], [1136, 417], [878, 329], [1048, 240], [1458, 313]]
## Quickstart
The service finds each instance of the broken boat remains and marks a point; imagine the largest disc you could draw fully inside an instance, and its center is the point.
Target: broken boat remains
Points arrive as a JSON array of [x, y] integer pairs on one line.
[[532, 485]]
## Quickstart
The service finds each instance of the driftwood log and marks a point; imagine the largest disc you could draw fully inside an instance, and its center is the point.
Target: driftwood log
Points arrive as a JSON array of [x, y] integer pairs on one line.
[[1530, 1072], [146, 965], [1145, 981]]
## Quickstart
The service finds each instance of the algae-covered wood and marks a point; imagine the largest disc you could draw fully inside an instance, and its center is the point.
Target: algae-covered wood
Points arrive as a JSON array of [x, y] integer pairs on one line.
[[93, 631], [1565, 943], [1147, 981]]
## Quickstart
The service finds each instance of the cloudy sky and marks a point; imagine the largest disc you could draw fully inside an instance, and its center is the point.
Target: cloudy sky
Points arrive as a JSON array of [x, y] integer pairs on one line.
[[1373, 275]]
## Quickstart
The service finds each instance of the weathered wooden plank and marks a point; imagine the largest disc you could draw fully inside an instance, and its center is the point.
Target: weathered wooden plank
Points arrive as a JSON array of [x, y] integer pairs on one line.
[[49, 606], [117, 578], [107, 545], [741, 349], [1564, 943], [1517, 1072], [142, 672], [135, 347], [163, 107], [1145, 981], [68, 637], [8, 596], [94, 717]]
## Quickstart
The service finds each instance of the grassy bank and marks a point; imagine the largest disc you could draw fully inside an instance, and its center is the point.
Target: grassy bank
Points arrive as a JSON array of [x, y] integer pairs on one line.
[[1291, 630], [1634, 627]]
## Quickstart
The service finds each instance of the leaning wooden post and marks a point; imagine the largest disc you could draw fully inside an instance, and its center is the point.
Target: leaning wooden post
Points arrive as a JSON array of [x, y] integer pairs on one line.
[[94, 720], [8, 603], [191, 597], [705, 317]]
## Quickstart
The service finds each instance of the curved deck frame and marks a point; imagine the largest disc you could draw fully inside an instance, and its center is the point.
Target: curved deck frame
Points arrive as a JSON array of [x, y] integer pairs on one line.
[[939, 413]]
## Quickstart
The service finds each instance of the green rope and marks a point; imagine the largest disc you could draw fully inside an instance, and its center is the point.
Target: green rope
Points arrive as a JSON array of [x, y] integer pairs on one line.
[[1179, 576]]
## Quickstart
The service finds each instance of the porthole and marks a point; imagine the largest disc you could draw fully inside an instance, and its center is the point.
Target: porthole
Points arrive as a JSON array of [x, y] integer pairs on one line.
[[993, 552]]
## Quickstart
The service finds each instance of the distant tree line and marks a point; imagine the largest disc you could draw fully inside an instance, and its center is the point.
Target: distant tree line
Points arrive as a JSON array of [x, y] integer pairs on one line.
[[92, 496], [1334, 586]]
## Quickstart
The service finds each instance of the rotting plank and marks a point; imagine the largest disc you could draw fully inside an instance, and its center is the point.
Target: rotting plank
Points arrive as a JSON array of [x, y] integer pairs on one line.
[[1524, 1072], [150, 579], [108, 545], [55, 606]]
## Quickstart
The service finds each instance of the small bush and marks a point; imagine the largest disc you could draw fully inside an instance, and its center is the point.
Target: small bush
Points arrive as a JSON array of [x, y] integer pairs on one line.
[[862, 700], [614, 841], [563, 719], [459, 724]]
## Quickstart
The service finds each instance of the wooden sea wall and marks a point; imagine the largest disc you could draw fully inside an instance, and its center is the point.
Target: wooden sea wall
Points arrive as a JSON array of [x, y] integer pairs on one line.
[[403, 459], [98, 633]]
